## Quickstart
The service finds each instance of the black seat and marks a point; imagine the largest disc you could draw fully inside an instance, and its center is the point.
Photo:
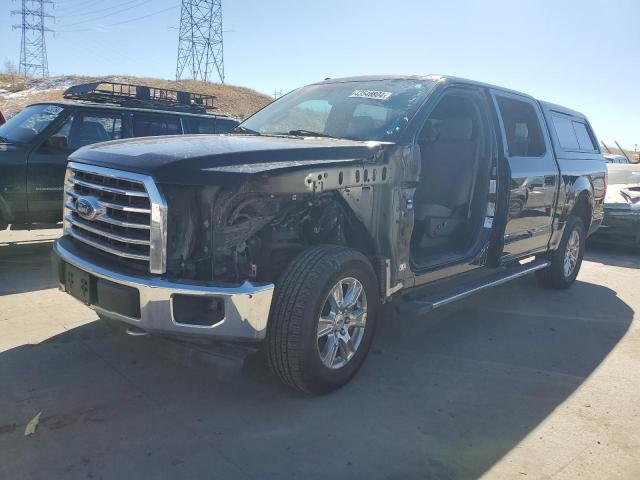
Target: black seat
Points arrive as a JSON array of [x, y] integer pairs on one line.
[[448, 168]]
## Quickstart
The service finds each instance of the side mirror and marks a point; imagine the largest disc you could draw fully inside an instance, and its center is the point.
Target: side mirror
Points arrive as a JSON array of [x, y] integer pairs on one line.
[[57, 143]]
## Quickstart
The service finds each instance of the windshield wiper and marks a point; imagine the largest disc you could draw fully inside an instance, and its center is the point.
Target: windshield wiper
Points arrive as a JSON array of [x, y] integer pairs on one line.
[[241, 129], [309, 133]]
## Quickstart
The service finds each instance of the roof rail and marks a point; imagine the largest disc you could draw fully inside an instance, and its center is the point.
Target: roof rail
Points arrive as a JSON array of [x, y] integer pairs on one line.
[[141, 96]]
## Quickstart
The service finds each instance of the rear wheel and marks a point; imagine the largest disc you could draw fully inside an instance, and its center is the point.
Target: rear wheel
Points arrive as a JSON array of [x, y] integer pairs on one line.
[[567, 259], [323, 319]]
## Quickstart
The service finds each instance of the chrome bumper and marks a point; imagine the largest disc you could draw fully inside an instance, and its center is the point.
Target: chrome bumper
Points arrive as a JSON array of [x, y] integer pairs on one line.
[[246, 307]]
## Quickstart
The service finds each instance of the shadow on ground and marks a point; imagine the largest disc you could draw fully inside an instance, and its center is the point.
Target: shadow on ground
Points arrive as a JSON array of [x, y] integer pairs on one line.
[[25, 267], [444, 396], [614, 255]]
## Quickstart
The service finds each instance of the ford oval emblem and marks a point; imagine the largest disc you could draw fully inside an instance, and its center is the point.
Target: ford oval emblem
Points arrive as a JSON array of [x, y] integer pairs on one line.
[[87, 207]]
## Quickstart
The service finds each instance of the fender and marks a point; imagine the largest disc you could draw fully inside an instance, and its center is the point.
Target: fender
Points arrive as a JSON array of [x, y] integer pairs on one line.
[[574, 188]]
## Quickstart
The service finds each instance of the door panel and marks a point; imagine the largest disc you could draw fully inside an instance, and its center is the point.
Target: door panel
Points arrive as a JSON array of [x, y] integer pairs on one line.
[[48, 161], [534, 174], [13, 182]]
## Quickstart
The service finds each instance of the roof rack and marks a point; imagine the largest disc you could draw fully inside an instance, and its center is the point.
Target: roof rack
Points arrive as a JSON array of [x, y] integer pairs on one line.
[[141, 96]]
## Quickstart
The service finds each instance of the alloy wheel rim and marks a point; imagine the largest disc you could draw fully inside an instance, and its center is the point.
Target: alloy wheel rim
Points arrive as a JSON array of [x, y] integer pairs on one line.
[[572, 253], [342, 322]]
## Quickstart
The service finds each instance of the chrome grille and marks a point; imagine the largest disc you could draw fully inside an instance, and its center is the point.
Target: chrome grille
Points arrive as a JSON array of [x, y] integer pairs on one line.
[[120, 213]]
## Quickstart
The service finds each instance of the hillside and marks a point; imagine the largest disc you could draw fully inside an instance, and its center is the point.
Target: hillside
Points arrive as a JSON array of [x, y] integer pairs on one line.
[[15, 93], [240, 102]]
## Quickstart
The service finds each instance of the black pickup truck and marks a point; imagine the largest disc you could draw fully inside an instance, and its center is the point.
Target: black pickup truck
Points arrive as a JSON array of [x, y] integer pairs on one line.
[[339, 196], [35, 144]]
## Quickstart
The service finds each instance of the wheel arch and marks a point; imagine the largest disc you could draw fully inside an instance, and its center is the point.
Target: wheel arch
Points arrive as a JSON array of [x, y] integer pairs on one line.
[[579, 201], [583, 208]]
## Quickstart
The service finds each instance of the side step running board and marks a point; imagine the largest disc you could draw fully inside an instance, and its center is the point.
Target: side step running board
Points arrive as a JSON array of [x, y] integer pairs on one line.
[[427, 303]]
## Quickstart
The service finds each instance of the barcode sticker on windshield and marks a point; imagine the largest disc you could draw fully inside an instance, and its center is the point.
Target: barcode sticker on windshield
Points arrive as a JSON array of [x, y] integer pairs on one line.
[[53, 109], [374, 94]]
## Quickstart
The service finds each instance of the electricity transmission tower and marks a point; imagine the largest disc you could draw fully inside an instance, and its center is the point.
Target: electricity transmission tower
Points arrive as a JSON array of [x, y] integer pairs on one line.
[[33, 48], [200, 46]]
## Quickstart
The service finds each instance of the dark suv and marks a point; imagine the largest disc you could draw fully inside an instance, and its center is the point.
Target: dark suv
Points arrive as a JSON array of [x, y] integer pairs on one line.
[[35, 144]]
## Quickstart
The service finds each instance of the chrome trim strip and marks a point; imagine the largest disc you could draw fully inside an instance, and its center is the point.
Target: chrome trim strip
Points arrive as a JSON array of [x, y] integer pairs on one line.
[[105, 188], [158, 210], [499, 281], [124, 208], [105, 248], [107, 219], [105, 233]]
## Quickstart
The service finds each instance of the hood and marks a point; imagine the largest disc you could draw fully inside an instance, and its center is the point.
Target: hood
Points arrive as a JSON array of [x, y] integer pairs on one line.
[[211, 159]]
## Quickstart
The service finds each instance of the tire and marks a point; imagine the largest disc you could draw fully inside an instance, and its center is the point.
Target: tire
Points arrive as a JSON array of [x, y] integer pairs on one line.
[[555, 276], [296, 351]]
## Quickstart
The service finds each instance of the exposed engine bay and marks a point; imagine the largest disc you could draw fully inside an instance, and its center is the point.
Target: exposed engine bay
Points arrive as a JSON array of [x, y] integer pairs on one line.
[[223, 234]]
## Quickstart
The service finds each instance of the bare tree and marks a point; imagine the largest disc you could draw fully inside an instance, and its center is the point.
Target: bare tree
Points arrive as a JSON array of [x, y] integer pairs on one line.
[[10, 69]]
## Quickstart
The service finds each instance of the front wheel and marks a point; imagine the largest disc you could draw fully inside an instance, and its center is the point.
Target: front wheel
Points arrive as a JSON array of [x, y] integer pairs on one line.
[[567, 259], [323, 318]]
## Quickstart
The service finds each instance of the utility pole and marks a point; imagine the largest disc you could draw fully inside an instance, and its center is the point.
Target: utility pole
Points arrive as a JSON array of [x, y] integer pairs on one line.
[[200, 43], [33, 47], [623, 152], [277, 94]]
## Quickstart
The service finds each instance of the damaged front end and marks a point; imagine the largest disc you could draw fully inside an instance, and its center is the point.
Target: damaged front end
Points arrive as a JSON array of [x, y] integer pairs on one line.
[[219, 233], [621, 224], [227, 242], [253, 224]]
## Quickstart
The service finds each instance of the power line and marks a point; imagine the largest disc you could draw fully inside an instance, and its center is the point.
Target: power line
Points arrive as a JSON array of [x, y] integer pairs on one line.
[[93, 12], [122, 22], [75, 6], [140, 18], [200, 43], [33, 47], [105, 15]]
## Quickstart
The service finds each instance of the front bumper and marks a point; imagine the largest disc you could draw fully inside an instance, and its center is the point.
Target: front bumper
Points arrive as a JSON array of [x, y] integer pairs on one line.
[[246, 307]]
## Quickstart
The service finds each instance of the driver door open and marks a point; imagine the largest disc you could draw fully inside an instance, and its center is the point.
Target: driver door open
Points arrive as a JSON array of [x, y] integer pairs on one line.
[[457, 193]]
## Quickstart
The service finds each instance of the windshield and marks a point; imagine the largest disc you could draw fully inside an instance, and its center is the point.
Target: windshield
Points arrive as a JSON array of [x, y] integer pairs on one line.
[[359, 110], [28, 123]]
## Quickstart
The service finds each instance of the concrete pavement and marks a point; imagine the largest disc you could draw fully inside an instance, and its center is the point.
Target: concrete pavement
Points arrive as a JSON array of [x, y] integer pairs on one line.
[[516, 382]]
